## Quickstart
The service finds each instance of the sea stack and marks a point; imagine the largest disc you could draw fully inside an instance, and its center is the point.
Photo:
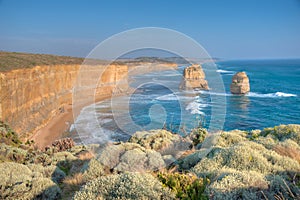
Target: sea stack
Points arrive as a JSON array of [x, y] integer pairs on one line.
[[194, 77], [240, 83]]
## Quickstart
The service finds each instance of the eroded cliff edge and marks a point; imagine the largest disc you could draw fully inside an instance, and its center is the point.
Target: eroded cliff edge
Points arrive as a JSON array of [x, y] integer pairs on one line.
[[31, 97], [36, 87]]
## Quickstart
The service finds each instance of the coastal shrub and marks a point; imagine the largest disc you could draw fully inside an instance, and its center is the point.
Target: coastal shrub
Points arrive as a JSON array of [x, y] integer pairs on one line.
[[281, 189], [92, 169], [124, 186], [185, 186], [23, 156], [51, 171], [190, 160], [11, 153], [227, 139], [19, 182], [232, 184], [154, 139], [198, 135], [283, 132], [268, 141], [129, 157], [64, 160], [253, 134], [8, 136], [245, 156]]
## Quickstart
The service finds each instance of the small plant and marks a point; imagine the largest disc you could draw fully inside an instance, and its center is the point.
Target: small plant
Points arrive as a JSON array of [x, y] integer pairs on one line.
[[198, 135], [185, 186], [8, 136]]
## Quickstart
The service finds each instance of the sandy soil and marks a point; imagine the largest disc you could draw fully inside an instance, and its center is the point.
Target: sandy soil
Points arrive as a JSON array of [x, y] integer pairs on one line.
[[54, 129], [58, 125]]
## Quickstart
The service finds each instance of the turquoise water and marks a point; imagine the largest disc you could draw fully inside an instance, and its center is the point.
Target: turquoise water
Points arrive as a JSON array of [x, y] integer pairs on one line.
[[157, 102]]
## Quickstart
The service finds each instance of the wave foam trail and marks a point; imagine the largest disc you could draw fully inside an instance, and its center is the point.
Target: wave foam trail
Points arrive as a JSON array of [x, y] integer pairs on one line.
[[195, 108], [214, 93], [270, 95], [224, 71], [168, 97]]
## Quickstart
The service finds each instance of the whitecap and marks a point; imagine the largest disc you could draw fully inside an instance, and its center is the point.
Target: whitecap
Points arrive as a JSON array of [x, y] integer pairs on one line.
[[195, 108], [214, 93], [282, 94], [224, 71], [167, 97], [270, 95]]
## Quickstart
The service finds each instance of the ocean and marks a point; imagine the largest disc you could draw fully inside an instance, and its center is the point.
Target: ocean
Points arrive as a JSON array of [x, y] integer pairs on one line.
[[157, 103]]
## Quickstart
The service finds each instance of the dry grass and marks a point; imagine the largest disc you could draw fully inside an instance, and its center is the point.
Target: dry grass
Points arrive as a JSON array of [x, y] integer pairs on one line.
[[75, 180], [291, 152], [86, 155], [14, 60], [71, 184]]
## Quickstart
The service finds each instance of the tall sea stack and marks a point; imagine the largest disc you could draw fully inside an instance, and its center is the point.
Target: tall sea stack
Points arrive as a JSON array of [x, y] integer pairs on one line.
[[194, 77], [240, 83]]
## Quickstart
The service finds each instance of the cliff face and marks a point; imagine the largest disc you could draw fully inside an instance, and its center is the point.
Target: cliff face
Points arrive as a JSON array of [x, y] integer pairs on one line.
[[194, 77], [240, 83], [30, 97]]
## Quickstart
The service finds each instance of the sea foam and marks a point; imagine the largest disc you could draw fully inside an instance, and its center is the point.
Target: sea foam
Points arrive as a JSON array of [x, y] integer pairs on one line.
[[195, 107], [270, 95], [224, 71]]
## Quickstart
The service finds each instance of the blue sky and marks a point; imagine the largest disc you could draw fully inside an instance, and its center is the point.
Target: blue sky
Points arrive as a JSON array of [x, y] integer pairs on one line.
[[231, 29]]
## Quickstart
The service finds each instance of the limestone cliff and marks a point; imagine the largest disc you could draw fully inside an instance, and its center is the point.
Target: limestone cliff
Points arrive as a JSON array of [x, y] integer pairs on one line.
[[194, 77], [31, 97], [240, 83]]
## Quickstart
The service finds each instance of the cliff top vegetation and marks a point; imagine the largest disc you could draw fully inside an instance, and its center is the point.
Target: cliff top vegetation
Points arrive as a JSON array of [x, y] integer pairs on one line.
[[241, 165], [13, 60]]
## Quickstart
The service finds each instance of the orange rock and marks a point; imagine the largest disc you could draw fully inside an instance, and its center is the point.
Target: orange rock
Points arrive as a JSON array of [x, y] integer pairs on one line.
[[194, 77], [240, 83]]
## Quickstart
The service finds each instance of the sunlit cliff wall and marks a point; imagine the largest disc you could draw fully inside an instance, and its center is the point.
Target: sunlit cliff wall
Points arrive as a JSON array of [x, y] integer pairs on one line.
[[29, 98]]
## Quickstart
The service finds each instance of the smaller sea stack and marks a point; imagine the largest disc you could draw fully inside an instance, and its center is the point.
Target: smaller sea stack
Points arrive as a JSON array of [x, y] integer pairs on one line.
[[240, 83], [194, 77]]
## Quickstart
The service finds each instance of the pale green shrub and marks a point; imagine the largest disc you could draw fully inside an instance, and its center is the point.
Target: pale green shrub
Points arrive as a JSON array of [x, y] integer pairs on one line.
[[92, 169], [124, 186], [227, 139], [15, 154], [154, 139], [129, 157], [268, 141], [62, 156], [232, 184], [280, 187], [245, 156], [189, 161], [51, 171], [19, 182], [109, 155], [283, 132]]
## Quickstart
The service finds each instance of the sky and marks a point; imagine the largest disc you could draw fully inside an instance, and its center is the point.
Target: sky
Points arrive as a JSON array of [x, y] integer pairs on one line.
[[231, 29]]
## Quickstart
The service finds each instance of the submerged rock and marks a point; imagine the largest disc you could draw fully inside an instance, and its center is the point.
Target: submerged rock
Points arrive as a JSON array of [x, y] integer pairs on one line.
[[240, 83], [194, 77]]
